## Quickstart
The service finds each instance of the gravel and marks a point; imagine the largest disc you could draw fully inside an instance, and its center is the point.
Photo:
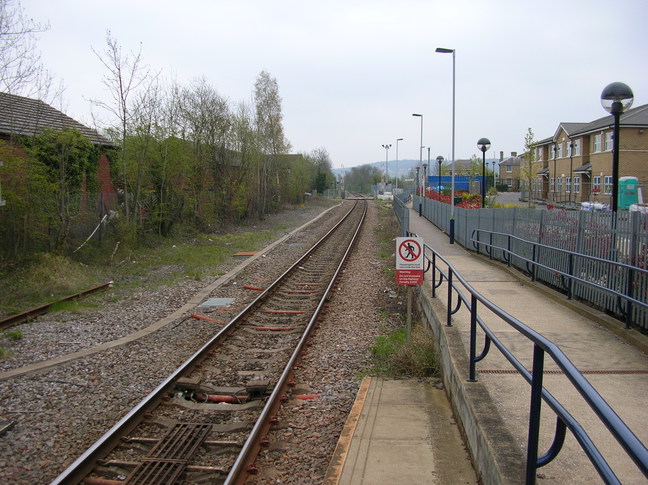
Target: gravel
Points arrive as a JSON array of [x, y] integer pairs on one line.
[[53, 415]]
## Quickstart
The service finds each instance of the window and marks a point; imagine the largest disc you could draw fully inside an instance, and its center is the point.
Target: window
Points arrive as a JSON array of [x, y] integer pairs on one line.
[[596, 185], [538, 153], [608, 141], [509, 168], [553, 152], [569, 149], [560, 150], [552, 184], [577, 185], [568, 184], [559, 184], [607, 184], [597, 143], [509, 182], [577, 147]]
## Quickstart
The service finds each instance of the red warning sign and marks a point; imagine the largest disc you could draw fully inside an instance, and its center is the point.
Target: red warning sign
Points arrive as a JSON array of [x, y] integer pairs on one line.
[[409, 260]]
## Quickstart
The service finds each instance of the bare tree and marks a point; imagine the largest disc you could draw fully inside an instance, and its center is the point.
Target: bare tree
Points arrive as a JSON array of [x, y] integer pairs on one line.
[[20, 62], [271, 139], [126, 73]]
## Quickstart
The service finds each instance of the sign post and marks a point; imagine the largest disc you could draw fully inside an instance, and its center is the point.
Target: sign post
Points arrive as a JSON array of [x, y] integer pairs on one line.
[[409, 271]]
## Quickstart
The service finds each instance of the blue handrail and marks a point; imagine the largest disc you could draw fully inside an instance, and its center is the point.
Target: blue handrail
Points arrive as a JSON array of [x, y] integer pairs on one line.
[[507, 252], [624, 436]]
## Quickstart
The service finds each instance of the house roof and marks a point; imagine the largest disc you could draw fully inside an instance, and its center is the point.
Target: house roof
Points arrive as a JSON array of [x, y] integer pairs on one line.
[[26, 116], [634, 117]]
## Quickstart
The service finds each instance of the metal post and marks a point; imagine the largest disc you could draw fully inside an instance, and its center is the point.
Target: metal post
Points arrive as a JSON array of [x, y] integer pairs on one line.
[[534, 415]]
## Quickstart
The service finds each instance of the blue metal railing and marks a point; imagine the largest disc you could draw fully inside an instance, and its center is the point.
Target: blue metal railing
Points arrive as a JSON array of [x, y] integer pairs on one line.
[[542, 347], [581, 268]]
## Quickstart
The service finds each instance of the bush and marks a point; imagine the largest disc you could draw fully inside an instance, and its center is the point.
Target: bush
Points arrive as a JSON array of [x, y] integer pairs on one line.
[[502, 187]]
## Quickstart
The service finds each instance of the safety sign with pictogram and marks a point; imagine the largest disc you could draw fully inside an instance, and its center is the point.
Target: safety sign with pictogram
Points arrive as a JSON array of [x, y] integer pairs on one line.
[[409, 260]]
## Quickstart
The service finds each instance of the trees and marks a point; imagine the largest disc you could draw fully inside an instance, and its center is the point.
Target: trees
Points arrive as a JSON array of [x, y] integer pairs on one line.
[[20, 62], [270, 139], [527, 174], [126, 73]]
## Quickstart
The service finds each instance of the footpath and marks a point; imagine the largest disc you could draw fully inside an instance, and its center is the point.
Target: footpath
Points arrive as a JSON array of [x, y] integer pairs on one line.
[[394, 433]]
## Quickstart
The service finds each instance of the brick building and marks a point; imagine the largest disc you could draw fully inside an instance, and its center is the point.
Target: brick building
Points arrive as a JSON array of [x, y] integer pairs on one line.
[[30, 117], [575, 164]]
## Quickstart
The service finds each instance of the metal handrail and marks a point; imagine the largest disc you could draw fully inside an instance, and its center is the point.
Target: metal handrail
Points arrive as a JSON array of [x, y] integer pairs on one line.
[[507, 253], [634, 448]]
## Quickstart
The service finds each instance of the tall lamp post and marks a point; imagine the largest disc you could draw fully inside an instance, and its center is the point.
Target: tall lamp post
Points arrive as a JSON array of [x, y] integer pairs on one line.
[[615, 99], [421, 144], [439, 160], [494, 173], [425, 166], [387, 147], [483, 144], [443, 50], [397, 140]]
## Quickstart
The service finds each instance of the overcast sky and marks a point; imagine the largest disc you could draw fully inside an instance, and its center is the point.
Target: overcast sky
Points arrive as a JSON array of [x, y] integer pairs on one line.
[[352, 72]]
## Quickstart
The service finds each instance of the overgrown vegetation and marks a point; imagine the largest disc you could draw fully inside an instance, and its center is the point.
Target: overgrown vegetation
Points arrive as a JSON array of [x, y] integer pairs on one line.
[[157, 261], [391, 355], [393, 358]]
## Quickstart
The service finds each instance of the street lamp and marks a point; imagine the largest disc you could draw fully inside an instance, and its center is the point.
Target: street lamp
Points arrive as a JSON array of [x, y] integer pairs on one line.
[[483, 144], [397, 140], [443, 50], [386, 147], [493, 173], [421, 144], [425, 166], [615, 99], [571, 175], [439, 160]]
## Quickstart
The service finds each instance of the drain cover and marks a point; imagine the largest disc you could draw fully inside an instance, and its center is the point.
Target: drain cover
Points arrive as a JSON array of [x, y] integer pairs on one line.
[[216, 302]]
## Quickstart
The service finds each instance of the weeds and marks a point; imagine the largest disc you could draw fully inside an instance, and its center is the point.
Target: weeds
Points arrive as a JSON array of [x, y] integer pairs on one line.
[[392, 357], [13, 335]]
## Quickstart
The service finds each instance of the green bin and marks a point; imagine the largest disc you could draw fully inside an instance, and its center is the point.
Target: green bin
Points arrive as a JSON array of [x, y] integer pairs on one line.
[[628, 192]]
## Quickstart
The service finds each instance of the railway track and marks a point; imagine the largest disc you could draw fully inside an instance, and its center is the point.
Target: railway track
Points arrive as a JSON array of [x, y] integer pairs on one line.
[[208, 420], [27, 315]]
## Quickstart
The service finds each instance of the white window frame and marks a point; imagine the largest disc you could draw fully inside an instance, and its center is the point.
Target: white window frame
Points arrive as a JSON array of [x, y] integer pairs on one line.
[[607, 184], [560, 150], [568, 185], [608, 141], [577, 147], [509, 168], [577, 185], [552, 185], [597, 143], [596, 184], [559, 185]]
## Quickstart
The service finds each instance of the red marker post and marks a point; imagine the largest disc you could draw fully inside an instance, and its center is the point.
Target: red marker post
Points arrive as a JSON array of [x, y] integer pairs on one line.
[[409, 271]]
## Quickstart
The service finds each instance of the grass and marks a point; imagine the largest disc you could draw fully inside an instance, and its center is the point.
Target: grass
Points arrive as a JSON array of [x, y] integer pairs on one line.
[[13, 335], [49, 277], [392, 357]]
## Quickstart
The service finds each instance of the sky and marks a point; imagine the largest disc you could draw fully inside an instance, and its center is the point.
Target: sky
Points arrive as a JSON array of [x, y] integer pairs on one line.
[[352, 72]]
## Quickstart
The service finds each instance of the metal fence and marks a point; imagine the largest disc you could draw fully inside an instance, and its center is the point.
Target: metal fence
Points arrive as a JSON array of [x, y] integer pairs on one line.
[[620, 238]]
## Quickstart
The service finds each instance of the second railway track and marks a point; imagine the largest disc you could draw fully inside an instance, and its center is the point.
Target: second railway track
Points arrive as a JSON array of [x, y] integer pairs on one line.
[[206, 422]]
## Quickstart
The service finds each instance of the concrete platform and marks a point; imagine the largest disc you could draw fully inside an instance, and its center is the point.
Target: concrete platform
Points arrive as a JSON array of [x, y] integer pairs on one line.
[[493, 413], [400, 431]]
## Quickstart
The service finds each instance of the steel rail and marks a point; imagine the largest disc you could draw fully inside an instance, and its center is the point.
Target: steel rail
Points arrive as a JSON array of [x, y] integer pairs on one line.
[[21, 317], [85, 463], [238, 473]]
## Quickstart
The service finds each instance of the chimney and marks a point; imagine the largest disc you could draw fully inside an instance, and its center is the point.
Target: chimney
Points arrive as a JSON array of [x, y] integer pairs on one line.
[[501, 156], [514, 154]]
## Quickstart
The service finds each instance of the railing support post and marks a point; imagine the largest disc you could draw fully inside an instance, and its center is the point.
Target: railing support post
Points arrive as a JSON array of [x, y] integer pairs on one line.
[[449, 316], [534, 415], [473, 337]]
